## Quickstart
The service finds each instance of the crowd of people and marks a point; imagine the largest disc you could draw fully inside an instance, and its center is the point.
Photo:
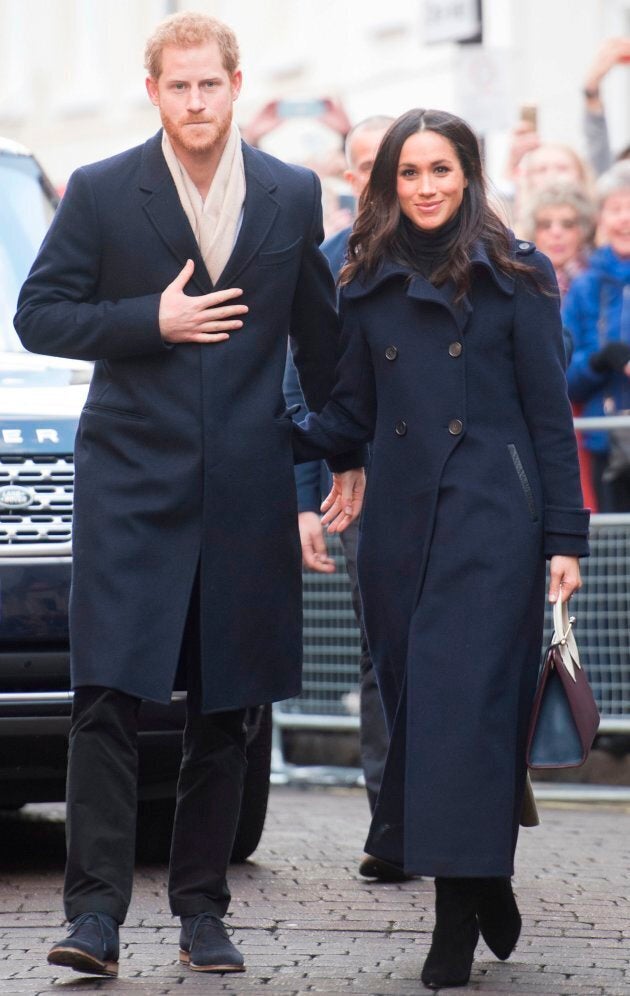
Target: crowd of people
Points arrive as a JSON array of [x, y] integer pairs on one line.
[[183, 268], [578, 212]]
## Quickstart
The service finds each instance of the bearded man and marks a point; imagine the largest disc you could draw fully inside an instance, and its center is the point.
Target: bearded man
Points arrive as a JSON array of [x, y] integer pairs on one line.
[[180, 267]]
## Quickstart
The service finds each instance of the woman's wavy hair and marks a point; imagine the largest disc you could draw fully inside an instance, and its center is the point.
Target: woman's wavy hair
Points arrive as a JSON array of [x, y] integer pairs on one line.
[[378, 229]]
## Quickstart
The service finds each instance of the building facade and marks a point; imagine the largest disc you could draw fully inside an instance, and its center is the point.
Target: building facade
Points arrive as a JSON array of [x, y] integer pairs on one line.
[[72, 82]]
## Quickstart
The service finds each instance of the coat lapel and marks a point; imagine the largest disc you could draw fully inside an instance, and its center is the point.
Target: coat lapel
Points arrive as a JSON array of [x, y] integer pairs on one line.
[[169, 220], [480, 256], [423, 290], [166, 214], [416, 287], [259, 215]]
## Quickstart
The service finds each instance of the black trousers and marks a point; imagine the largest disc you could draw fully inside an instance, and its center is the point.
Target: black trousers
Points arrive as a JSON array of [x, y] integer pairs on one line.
[[374, 740], [101, 799], [612, 496]]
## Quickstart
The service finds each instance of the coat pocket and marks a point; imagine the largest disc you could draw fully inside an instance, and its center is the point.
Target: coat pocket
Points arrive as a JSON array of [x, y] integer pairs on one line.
[[94, 409], [277, 256], [522, 476]]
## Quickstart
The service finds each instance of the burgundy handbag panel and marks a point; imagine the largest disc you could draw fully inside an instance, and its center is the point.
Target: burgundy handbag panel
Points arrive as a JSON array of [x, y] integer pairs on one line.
[[565, 718]]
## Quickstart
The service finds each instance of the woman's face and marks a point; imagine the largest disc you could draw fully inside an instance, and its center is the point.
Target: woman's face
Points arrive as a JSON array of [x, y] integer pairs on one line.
[[615, 222], [431, 181], [559, 233], [551, 164]]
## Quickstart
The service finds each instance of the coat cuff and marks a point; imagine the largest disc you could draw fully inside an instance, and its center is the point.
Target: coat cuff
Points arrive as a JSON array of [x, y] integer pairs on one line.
[[566, 531], [348, 461]]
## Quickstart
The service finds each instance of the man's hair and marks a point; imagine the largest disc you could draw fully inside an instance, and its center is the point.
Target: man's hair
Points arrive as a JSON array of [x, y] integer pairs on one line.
[[377, 122], [189, 30]]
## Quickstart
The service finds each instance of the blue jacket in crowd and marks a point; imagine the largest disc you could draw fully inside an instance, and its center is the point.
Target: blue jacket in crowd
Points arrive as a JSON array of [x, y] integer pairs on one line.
[[596, 311]]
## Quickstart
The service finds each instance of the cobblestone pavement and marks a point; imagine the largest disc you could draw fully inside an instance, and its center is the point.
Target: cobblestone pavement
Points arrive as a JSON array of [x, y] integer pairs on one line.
[[307, 923]]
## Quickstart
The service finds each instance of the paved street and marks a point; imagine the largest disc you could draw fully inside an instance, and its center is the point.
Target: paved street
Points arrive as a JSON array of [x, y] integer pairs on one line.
[[307, 923]]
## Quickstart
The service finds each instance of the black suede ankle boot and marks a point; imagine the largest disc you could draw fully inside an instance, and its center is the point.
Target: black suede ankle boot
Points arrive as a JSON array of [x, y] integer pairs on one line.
[[455, 935], [498, 915]]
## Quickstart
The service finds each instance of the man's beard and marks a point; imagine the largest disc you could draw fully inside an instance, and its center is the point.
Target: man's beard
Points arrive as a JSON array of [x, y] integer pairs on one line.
[[198, 140]]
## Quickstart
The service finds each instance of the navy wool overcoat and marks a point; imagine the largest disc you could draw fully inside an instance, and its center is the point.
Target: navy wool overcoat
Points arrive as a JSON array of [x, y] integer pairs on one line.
[[473, 481], [183, 454]]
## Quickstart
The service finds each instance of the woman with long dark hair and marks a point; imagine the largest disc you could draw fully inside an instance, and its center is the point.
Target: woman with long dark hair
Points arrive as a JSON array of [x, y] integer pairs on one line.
[[453, 365]]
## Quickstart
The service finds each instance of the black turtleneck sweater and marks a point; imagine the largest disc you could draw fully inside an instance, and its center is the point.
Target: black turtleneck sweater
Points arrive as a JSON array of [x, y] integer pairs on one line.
[[431, 248]]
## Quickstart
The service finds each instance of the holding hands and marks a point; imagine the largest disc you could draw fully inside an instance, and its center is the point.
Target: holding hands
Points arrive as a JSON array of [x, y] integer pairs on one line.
[[343, 504], [314, 552], [204, 319]]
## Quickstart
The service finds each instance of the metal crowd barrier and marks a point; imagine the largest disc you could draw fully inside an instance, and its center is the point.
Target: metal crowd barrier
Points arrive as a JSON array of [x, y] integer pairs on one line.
[[330, 696], [330, 682]]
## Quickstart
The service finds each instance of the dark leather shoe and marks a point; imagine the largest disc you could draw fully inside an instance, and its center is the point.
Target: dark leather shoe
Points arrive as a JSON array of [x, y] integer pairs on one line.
[[498, 915], [91, 946], [455, 935], [204, 945], [384, 871]]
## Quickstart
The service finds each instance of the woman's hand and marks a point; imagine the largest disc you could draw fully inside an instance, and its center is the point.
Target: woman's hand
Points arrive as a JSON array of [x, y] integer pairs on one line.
[[564, 577], [343, 504]]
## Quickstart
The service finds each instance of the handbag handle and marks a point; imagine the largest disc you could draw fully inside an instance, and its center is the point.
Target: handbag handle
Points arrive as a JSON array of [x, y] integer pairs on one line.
[[564, 638]]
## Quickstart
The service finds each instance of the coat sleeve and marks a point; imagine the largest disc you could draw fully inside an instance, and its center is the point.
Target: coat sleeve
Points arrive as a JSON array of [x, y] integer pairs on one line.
[[315, 329], [59, 313], [539, 363], [580, 313], [349, 418], [307, 475]]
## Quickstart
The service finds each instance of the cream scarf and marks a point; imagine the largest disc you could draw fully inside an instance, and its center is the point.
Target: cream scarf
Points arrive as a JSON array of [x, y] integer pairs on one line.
[[217, 220]]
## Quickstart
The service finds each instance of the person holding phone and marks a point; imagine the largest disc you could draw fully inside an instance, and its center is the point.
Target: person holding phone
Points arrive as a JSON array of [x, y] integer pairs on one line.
[[613, 52], [533, 165]]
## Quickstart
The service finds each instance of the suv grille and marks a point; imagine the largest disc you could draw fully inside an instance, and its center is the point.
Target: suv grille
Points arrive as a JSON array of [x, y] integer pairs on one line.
[[47, 521]]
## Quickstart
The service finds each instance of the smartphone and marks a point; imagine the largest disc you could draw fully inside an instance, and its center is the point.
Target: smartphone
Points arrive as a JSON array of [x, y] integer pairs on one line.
[[529, 114], [300, 108]]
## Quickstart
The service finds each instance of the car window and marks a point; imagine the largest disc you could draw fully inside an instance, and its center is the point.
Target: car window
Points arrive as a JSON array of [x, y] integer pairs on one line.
[[26, 209]]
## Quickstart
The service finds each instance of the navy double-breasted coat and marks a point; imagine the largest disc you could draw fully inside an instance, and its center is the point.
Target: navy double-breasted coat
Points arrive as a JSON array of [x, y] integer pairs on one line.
[[183, 454], [473, 481]]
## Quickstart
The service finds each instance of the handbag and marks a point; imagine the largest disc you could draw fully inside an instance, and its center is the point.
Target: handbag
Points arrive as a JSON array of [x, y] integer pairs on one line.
[[565, 718], [529, 810]]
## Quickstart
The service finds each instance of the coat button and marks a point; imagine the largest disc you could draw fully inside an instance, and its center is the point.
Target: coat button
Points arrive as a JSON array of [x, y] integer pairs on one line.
[[401, 428], [391, 353], [455, 349], [455, 426]]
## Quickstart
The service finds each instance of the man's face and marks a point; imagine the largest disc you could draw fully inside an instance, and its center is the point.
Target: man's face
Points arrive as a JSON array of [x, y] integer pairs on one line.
[[194, 94], [363, 148]]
